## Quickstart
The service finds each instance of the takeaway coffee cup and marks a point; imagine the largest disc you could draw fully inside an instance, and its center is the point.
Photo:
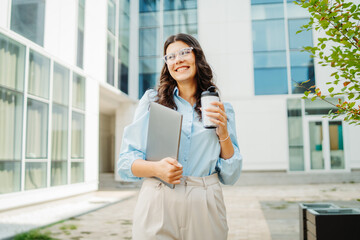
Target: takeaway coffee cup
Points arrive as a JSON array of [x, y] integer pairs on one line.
[[207, 97]]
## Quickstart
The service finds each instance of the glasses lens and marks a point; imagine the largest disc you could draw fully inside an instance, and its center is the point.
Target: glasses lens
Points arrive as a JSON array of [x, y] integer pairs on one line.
[[170, 58]]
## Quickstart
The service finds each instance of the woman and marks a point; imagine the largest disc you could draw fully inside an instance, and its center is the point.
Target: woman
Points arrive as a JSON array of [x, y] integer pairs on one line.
[[195, 208]]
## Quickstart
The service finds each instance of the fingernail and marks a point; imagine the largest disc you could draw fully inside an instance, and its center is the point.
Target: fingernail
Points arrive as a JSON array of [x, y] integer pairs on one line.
[[179, 165]]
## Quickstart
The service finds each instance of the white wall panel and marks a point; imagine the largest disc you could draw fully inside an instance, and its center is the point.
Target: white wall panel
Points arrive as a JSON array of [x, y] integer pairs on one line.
[[61, 29], [262, 133], [92, 131], [4, 13], [124, 116], [95, 39], [225, 35]]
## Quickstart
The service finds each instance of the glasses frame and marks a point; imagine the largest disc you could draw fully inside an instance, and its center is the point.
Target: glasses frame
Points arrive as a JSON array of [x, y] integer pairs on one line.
[[177, 54]]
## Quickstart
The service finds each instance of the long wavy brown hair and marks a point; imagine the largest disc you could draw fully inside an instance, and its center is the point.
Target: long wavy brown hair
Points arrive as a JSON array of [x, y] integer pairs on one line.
[[204, 75]]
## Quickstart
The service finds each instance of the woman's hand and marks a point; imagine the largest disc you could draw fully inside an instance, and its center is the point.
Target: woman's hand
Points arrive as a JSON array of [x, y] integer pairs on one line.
[[169, 170], [218, 116]]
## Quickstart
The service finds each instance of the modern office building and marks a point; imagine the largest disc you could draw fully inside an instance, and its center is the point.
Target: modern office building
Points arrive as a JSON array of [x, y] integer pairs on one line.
[[71, 73]]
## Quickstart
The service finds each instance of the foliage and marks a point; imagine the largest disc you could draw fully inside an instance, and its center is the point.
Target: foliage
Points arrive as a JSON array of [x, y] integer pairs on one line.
[[339, 49], [34, 234]]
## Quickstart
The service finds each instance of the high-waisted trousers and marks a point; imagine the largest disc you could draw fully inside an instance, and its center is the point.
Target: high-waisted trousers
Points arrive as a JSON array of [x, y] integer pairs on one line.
[[193, 210]]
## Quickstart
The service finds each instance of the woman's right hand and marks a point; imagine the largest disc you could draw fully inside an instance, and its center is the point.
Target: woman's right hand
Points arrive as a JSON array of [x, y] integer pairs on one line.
[[169, 170]]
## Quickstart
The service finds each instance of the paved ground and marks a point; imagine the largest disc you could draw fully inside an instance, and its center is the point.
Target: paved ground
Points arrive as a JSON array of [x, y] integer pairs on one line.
[[254, 212]]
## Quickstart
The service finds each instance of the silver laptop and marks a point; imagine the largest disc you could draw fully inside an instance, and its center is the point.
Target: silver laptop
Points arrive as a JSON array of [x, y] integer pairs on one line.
[[163, 139]]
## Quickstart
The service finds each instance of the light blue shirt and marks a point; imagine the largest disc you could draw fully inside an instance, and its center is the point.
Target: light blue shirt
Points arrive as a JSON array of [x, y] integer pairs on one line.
[[199, 152]]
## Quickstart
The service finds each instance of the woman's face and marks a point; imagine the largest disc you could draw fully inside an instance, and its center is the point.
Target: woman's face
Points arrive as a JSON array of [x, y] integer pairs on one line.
[[183, 67]]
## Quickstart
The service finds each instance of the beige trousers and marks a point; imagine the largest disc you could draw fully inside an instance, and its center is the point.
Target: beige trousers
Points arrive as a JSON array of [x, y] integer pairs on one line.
[[194, 210]]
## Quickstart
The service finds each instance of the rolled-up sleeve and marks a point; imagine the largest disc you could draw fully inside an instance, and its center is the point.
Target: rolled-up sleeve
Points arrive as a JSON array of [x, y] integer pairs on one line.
[[134, 139], [229, 169]]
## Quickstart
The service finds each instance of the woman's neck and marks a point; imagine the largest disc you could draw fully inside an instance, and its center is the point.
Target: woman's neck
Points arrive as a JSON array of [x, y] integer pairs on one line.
[[187, 92]]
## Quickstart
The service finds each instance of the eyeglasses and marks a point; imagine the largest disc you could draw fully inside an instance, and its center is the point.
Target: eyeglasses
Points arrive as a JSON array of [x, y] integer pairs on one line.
[[182, 53]]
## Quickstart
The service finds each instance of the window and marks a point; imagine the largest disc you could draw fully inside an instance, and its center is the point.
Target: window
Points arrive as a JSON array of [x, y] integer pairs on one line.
[[35, 175], [11, 114], [12, 64], [59, 127], [179, 4], [269, 46], [302, 65], [118, 44], [36, 129], [274, 51], [12, 73], [39, 75], [123, 45], [67, 120], [77, 147], [80, 35], [78, 92], [269, 35], [61, 85], [77, 135], [110, 59], [155, 27], [28, 19], [295, 135]]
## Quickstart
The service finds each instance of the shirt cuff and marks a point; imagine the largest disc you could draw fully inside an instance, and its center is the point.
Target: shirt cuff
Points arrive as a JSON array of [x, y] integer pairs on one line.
[[229, 169], [124, 165]]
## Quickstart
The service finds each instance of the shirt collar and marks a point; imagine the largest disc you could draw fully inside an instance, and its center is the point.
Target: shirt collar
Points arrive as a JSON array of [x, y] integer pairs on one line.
[[176, 92]]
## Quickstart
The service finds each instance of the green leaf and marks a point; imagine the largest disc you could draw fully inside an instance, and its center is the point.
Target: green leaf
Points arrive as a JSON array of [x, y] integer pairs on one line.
[[351, 105], [353, 8], [351, 96], [306, 93], [331, 90], [313, 98]]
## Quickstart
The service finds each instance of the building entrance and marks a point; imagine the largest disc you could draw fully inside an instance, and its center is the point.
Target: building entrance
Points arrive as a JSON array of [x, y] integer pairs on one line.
[[324, 144]]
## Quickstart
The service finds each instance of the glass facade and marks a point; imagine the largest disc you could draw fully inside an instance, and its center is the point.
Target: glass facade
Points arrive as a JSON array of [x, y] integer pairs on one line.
[[28, 19], [12, 75], [278, 62], [158, 20], [49, 103], [118, 35]]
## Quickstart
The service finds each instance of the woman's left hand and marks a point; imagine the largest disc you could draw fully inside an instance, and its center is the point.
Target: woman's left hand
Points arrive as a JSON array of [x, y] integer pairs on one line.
[[218, 116]]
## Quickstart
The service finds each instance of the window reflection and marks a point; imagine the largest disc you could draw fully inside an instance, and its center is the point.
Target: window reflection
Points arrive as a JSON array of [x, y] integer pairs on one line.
[[300, 40], [270, 81], [267, 11], [149, 5], [269, 59], [27, 19], [268, 35], [179, 4], [149, 42]]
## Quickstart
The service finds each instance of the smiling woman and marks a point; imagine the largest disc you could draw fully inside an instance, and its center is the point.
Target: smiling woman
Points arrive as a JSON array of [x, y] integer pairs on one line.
[[206, 156]]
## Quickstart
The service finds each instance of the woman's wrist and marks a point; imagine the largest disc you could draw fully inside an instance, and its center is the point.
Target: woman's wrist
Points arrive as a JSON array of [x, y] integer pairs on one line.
[[224, 137]]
